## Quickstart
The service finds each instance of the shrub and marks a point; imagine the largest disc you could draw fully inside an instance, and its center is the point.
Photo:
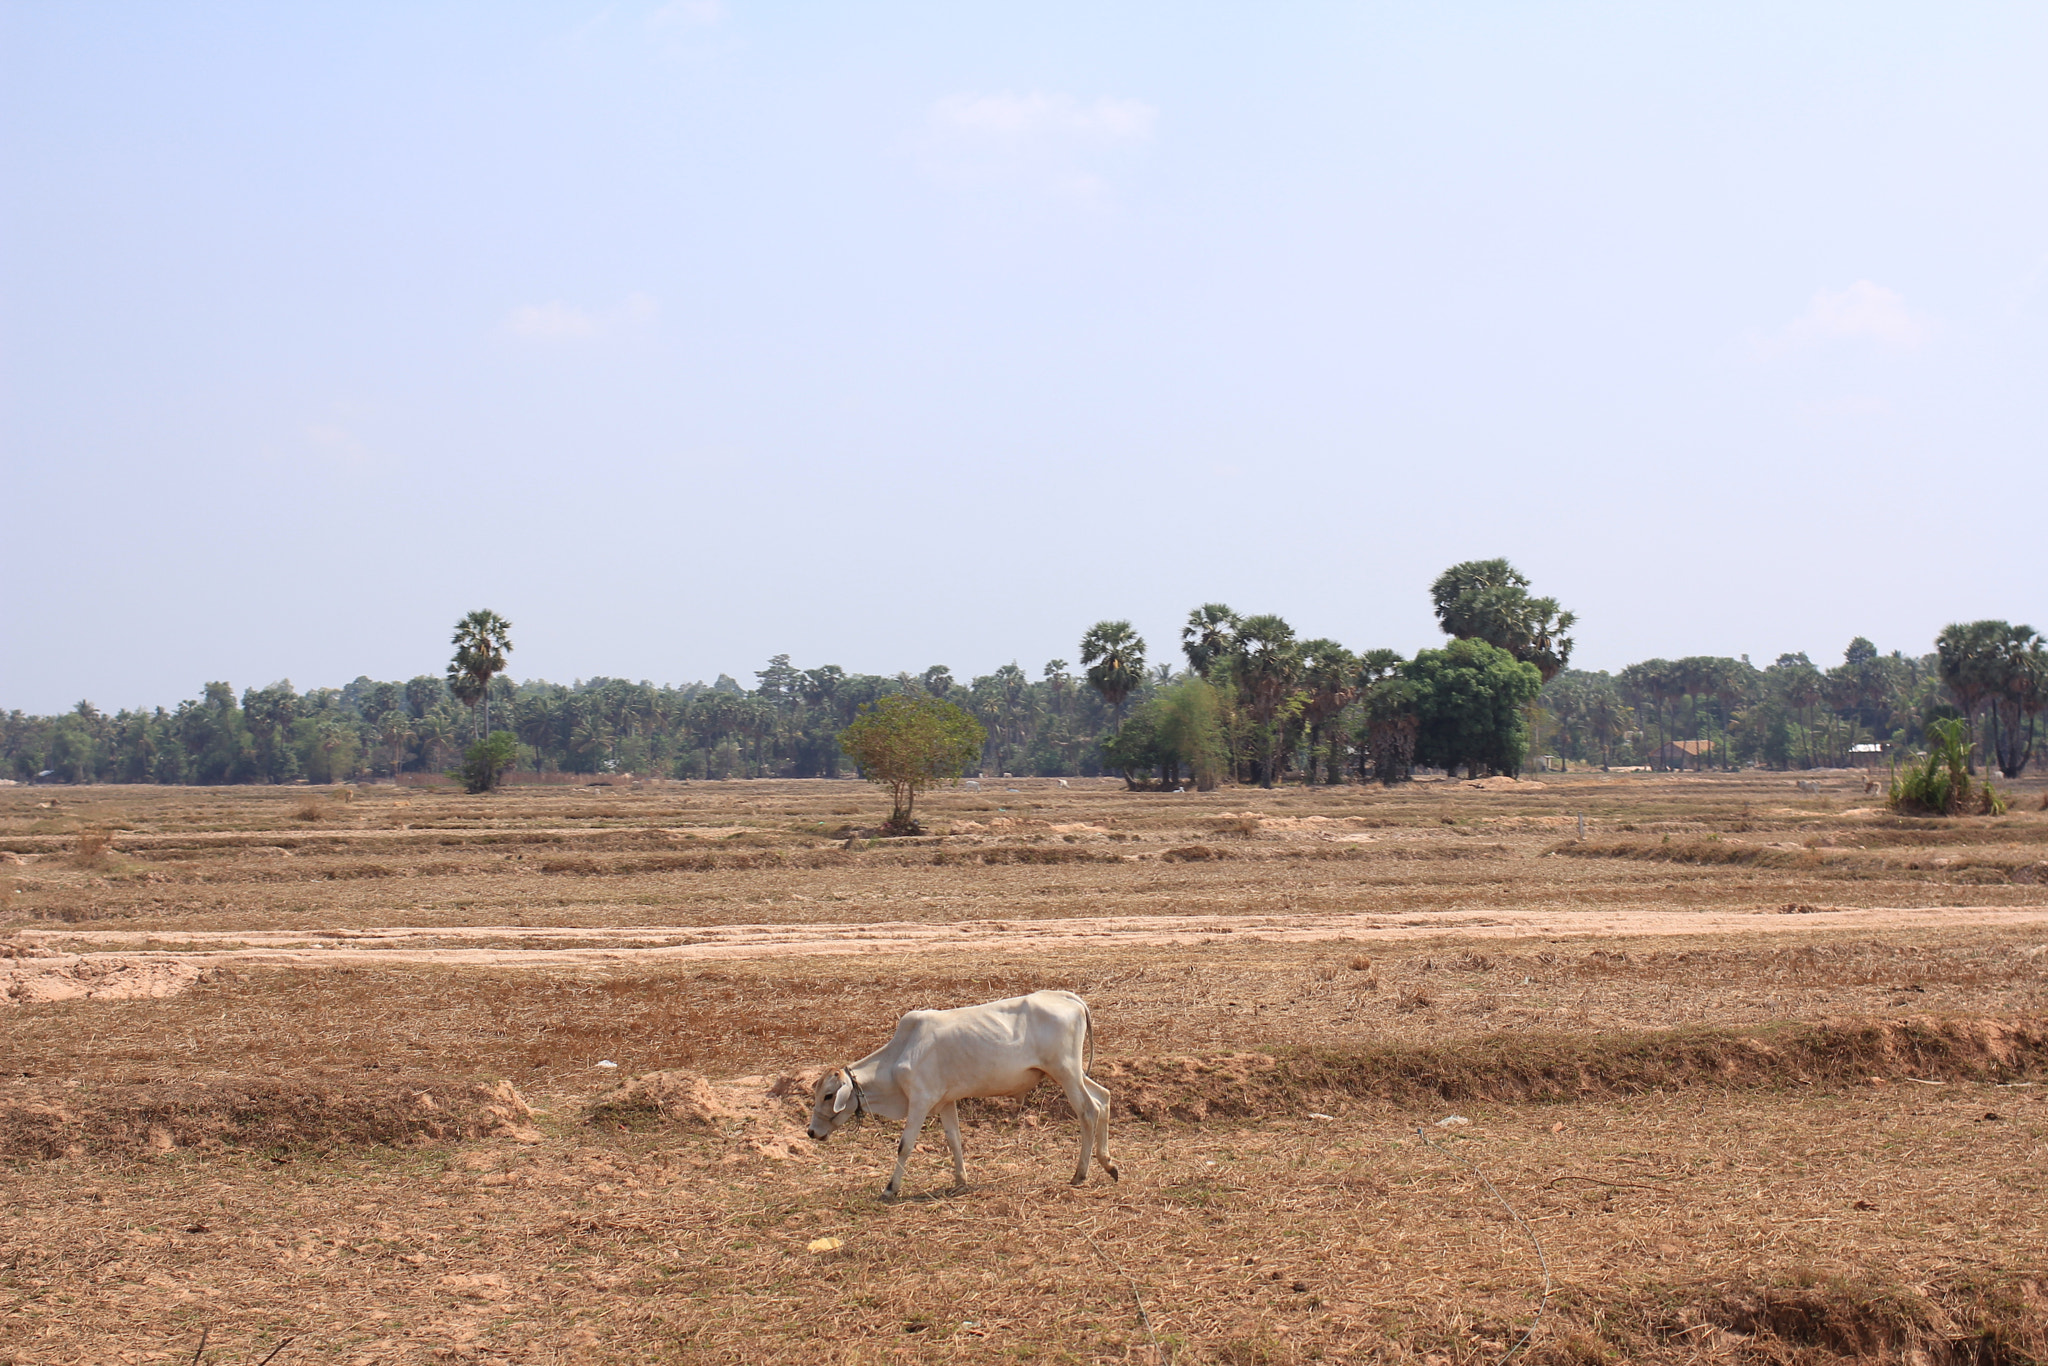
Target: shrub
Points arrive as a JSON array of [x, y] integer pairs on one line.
[[486, 762], [1939, 785]]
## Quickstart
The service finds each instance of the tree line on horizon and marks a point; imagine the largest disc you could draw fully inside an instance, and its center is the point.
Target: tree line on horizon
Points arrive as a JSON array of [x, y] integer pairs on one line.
[[1246, 701]]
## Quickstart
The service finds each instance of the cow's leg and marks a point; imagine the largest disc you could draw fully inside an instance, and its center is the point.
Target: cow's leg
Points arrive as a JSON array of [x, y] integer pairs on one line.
[[1099, 1093], [1075, 1085], [949, 1120], [913, 1124]]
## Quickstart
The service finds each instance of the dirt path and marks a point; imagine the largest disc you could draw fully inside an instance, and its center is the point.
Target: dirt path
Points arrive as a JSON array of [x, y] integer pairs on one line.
[[521, 946]]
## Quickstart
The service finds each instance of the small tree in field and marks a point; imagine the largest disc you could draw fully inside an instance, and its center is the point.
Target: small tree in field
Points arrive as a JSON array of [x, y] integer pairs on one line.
[[907, 744]]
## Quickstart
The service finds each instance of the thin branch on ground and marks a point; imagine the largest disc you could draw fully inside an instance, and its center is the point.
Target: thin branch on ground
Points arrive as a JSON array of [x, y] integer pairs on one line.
[[1542, 1260]]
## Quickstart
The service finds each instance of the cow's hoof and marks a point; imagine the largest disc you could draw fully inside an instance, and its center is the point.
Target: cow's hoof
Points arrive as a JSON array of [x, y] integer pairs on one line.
[[1111, 1169]]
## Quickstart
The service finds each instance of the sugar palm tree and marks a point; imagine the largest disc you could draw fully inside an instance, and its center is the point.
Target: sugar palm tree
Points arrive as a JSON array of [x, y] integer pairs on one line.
[[1209, 637], [1115, 656], [1268, 668], [1330, 673], [534, 723], [482, 640], [394, 733]]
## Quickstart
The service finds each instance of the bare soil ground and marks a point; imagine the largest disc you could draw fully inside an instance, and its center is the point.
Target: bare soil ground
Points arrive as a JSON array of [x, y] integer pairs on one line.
[[1762, 1071]]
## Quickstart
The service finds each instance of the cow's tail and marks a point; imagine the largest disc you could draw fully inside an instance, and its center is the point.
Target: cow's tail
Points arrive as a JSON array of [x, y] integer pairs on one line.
[[1088, 1020]]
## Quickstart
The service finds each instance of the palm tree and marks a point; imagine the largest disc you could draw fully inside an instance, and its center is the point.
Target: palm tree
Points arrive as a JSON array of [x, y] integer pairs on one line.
[[393, 733], [1330, 673], [1115, 656], [1972, 661], [534, 722], [1802, 686], [482, 640], [1268, 666], [1209, 637], [436, 735], [2019, 671], [1609, 718]]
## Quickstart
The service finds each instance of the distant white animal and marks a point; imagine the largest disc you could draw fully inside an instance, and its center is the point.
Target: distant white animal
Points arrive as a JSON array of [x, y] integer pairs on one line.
[[969, 782], [1806, 785], [937, 1058], [1063, 782]]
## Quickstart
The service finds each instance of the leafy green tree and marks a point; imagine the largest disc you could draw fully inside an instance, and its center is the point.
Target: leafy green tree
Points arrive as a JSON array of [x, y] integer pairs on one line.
[[1386, 705], [485, 763], [482, 640], [1190, 732], [1489, 600], [1176, 734], [907, 743], [1133, 748], [71, 749], [1114, 655], [1469, 699]]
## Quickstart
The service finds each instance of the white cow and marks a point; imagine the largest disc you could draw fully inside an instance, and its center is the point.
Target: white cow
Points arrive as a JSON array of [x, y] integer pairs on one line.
[[937, 1058]]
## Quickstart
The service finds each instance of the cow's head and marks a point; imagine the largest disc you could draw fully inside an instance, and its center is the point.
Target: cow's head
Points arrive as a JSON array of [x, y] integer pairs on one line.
[[834, 1102]]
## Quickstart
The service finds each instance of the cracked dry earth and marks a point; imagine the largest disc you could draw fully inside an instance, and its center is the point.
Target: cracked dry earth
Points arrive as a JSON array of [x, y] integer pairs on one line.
[[216, 1031]]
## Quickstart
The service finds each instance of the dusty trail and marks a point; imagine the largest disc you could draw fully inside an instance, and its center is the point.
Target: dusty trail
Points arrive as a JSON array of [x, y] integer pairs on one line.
[[515, 946]]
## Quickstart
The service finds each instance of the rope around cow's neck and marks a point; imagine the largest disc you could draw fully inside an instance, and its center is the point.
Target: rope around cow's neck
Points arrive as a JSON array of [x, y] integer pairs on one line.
[[860, 1104]]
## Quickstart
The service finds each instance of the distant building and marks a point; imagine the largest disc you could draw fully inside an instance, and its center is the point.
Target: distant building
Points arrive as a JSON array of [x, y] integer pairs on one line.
[[1868, 756], [1682, 754]]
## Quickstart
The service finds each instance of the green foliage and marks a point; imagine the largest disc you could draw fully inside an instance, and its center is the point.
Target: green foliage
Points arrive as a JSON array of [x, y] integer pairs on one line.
[[486, 762], [1589, 720], [1272, 705], [1468, 700], [1176, 735], [1386, 705], [1210, 638], [1191, 732], [907, 743], [1940, 785], [482, 640], [1489, 600], [2000, 671], [1132, 749], [1114, 655]]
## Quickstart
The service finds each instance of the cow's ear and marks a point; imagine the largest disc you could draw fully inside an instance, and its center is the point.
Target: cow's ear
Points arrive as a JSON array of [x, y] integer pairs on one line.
[[845, 1096]]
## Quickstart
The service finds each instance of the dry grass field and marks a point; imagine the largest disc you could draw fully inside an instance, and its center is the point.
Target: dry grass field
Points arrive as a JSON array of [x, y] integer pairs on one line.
[[1763, 1073]]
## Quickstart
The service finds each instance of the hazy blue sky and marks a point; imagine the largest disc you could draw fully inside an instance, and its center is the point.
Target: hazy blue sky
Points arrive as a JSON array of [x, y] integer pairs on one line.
[[896, 334]]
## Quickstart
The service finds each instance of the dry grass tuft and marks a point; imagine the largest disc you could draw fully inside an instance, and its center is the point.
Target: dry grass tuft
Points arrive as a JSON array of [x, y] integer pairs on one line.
[[91, 849], [312, 809]]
